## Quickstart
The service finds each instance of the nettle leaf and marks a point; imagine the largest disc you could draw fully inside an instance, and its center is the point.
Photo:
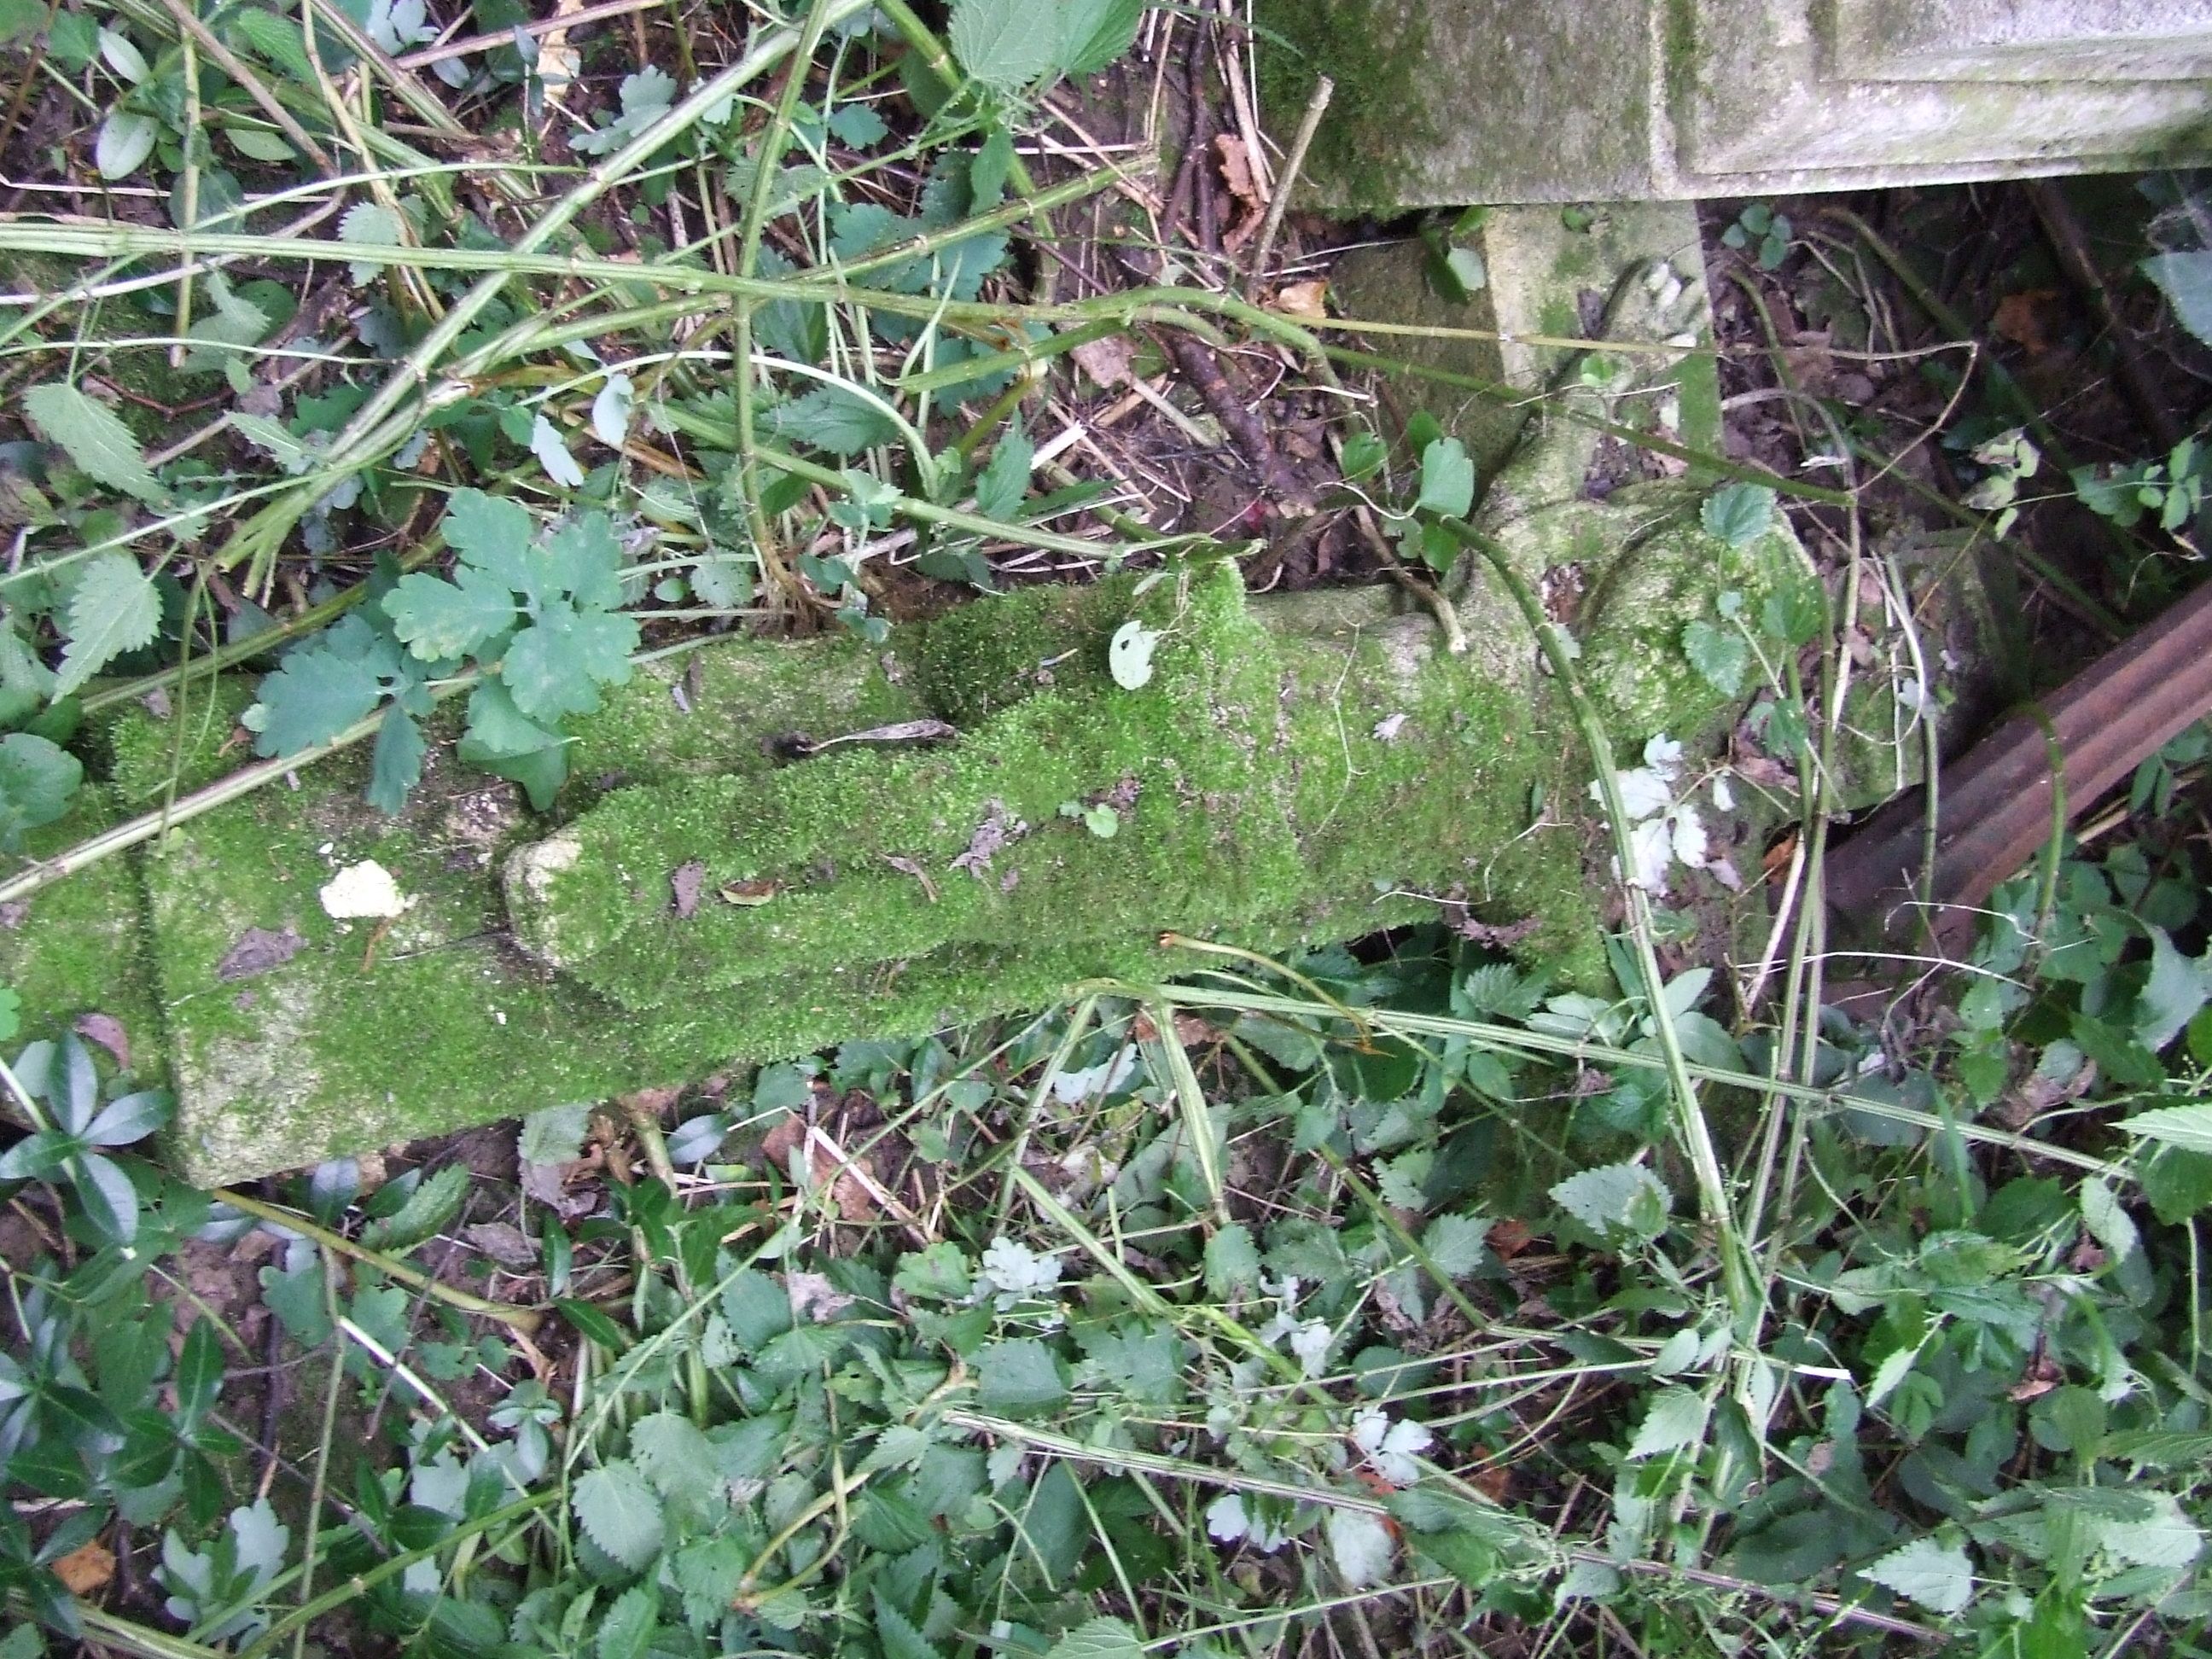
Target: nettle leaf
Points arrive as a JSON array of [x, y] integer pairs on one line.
[[1021, 1375], [620, 1513], [1615, 1199], [2188, 1128], [1720, 655], [1094, 33], [1002, 485], [1675, 1420], [38, 780], [625, 1631], [1232, 1261], [1739, 514], [831, 417], [1099, 1639], [94, 437], [113, 609], [370, 224], [1006, 44], [1936, 1575]]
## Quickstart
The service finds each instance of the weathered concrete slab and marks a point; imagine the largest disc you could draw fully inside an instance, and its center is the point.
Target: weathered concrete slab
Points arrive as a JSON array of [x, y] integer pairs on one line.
[[1491, 100]]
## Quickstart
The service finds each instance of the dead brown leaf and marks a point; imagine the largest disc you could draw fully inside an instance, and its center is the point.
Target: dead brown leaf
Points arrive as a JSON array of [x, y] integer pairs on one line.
[[503, 1241], [1306, 299], [1106, 361], [257, 950], [2027, 318], [87, 1568], [1236, 174], [1509, 1238], [107, 1031], [685, 881]]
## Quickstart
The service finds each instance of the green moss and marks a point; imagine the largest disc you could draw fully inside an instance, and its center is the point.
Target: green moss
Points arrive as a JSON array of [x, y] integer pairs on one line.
[[1375, 51]]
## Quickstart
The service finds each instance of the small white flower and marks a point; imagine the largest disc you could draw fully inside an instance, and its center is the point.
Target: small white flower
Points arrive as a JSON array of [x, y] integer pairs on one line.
[[1390, 1448], [1225, 1521], [1724, 797]]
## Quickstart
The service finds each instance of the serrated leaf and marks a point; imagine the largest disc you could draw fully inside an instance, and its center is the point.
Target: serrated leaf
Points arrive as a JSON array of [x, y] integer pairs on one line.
[[1232, 1263], [1360, 1546], [897, 1635], [620, 1513], [1720, 655], [553, 1135], [2107, 1219], [126, 138], [275, 440], [315, 695], [551, 450], [1099, 1639], [492, 532], [831, 417], [1017, 1376], [583, 559], [38, 781], [1739, 514], [1002, 485], [1006, 45], [2166, 1537], [1936, 1575], [556, 667], [1447, 479], [673, 1454], [1094, 33], [857, 125], [1457, 1244], [1129, 654], [1616, 1198], [2188, 1128], [626, 1630], [1675, 1420], [94, 438], [434, 1201], [437, 620], [369, 224], [113, 609]]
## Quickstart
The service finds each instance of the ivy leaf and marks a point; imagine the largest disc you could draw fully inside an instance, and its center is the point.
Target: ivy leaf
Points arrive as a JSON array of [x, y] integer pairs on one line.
[[1099, 1639], [1006, 44], [1720, 655], [1447, 479], [1739, 514], [1361, 1545], [1936, 1575], [556, 667], [94, 437], [37, 780], [620, 1513], [832, 418], [113, 609], [436, 619]]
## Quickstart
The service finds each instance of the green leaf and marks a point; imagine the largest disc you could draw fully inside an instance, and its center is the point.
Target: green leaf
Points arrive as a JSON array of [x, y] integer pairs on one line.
[[395, 763], [369, 224], [583, 559], [556, 667], [493, 532], [500, 729], [620, 1513], [38, 779], [2188, 1128], [1458, 1244], [1006, 45], [1618, 1198], [1447, 479], [1099, 1639], [1094, 33], [1739, 514], [832, 418], [2165, 1538], [1129, 654], [554, 1134], [113, 609], [1675, 1420], [110, 1200], [1002, 485], [673, 1454], [2185, 279], [1937, 1576], [1021, 1375], [626, 1629], [1720, 655], [316, 694], [897, 1635], [433, 1203], [1363, 455], [2107, 1219], [1232, 1263], [438, 620], [94, 438], [126, 138], [2178, 987]]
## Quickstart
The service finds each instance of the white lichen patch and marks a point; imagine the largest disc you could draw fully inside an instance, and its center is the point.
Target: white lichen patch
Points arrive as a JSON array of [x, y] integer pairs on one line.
[[366, 890]]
